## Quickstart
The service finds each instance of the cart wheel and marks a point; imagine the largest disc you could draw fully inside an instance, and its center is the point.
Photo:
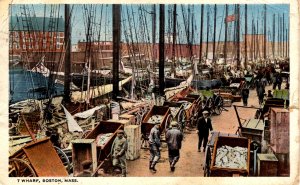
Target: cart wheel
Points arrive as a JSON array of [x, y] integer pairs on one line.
[[20, 168], [218, 105], [209, 103], [181, 119], [64, 158], [168, 121]]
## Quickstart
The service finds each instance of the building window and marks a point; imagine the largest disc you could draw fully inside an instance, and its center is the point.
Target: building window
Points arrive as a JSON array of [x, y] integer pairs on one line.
[[44, 45], [57, 46], [30, 46], [24, 46], [10, 45], [37, 46]]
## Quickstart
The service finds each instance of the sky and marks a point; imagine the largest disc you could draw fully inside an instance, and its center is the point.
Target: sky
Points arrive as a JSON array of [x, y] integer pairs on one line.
[[136, 20]]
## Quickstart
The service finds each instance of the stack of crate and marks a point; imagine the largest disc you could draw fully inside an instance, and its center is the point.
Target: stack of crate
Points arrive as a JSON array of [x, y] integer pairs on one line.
[[279, 138], [133, 133]]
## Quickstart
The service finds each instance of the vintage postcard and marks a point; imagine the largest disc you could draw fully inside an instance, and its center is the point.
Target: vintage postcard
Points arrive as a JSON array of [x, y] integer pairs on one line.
[[149, 92]]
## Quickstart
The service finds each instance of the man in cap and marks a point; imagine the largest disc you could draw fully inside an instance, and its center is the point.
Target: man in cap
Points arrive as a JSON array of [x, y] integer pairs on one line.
[[118, 150], [203, 128], [154, 144], [174, 138]]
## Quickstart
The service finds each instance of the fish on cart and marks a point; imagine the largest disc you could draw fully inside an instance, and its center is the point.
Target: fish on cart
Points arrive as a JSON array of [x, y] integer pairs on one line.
[[155, 118], [102, 139], [174, 111], [231, 157]]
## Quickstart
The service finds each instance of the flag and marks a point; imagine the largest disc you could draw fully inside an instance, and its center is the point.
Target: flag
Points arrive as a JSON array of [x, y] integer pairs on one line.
[[230, 18]]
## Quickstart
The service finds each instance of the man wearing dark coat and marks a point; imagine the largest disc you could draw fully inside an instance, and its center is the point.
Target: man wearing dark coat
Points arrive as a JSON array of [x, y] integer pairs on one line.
[[203, 128], [174, 138]]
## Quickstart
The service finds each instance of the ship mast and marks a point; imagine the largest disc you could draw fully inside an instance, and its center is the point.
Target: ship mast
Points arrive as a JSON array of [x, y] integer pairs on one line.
[[116, 11], [68, 54], [161, 49]]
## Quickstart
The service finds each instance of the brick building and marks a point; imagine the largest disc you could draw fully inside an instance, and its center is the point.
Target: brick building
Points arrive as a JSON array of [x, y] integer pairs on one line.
[[32, 37]]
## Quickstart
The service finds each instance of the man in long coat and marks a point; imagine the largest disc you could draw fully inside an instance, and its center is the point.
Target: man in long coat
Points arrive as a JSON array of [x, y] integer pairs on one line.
[[203, 128]]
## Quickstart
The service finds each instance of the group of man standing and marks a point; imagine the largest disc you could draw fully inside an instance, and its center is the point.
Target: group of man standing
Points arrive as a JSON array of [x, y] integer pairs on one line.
[[174, 139]]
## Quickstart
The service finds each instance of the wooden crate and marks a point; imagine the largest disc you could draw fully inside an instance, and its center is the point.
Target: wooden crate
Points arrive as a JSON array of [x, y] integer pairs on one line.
[[279, 130], [122, 121], [283, 164], [267, 165], [83, 149], [129, 117], [233, 142], [133, 133]]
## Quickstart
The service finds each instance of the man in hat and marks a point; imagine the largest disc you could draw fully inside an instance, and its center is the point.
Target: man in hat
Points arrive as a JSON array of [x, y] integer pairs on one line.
[[203, 128], [118, 150], [174, 138], [154, 144]]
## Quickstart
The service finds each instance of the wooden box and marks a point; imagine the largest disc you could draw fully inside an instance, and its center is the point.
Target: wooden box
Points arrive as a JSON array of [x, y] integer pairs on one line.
[[279, 130], [122, 121], [267, 165], [83, 149], [130, 118], [233, 142], [133, 133], [283, 164]]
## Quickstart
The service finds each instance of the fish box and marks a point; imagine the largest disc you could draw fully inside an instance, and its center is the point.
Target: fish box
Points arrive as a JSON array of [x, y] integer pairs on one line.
[[267, 165], [231, 142], [160, 114], [104, 127], [279, 130], [83, 149]]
